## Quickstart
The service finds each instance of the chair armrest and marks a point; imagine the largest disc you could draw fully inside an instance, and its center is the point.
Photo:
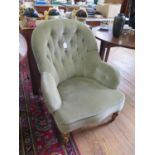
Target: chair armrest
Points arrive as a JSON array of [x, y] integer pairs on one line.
[[50, 92], [107, 75]]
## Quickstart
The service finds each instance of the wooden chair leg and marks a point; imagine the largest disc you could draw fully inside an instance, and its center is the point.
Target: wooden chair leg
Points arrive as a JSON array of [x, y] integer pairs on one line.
[[114, 116], [64, 138]]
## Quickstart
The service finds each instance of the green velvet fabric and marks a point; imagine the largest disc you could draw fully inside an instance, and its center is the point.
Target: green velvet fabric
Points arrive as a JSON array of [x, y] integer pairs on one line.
[[77, 86], [84, 98]]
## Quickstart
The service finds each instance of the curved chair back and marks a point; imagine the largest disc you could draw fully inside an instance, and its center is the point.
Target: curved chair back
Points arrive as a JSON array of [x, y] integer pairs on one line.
[[63, 47]]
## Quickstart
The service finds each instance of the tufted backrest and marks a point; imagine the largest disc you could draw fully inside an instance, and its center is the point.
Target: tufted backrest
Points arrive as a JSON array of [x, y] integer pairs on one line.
[[64, 48]]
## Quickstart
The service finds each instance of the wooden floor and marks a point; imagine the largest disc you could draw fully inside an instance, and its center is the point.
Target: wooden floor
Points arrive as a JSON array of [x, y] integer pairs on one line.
[[116, 138]]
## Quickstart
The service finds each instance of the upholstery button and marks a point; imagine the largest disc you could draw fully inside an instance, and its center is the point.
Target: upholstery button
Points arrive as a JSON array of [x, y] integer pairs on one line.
[[60, 44], [63, 61], [105, 77], [48, 45], [75, 31], [56, 54], [51, 33], [48, 57]]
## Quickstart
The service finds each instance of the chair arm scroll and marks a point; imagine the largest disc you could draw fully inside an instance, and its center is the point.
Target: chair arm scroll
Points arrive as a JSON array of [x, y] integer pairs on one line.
[[107, 75]]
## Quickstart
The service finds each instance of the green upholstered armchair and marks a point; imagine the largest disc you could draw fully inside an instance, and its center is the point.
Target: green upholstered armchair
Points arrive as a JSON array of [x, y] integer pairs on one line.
[[78, 88]]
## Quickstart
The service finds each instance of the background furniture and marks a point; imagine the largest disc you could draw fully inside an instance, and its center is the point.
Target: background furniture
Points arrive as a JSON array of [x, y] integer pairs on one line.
[[78, 88], [108, 9], [125, 7], [35, 76], [22, 48], [107, 41], [45, 7]]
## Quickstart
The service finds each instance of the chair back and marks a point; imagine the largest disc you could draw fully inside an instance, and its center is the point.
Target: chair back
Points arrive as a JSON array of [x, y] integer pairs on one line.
[[63, 47]]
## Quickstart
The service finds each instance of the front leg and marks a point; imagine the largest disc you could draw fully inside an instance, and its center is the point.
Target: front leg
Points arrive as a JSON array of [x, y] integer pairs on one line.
[[64, 138], [114, 116]]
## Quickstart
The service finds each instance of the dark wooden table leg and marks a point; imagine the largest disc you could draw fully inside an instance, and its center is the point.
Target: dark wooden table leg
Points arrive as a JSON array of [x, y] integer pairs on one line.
[[107, 54], [102, 50], [34, 73]]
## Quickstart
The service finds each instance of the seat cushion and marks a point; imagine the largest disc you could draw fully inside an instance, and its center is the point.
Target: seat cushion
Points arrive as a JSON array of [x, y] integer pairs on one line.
[[85, 101]]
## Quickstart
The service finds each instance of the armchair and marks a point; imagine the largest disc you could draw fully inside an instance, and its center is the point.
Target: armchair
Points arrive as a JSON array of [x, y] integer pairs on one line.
[[78, 88]]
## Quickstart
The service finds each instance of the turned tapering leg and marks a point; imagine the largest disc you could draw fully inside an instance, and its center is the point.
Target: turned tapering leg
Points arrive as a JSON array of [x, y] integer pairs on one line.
[[64, 138], [114, 116]]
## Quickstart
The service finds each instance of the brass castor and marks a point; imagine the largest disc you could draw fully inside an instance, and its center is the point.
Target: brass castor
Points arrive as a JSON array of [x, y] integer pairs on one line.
[[64, 138]]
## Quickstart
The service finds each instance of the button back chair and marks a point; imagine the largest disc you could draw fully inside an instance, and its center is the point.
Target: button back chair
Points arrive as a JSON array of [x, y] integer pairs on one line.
[[78, 88]]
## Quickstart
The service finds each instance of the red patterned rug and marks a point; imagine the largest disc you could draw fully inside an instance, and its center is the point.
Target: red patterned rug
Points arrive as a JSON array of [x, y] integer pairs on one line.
[[37, 129]]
